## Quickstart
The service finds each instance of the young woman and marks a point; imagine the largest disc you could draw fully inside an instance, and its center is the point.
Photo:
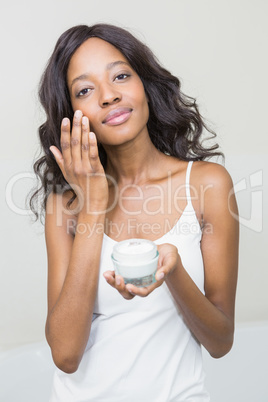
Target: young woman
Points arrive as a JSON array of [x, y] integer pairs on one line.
[[123, 159]]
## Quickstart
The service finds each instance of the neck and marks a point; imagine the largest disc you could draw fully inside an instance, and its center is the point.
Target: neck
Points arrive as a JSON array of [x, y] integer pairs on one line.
[[133, 162]]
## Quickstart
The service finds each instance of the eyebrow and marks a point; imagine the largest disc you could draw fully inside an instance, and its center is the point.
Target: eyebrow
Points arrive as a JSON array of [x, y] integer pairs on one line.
[[108, 67]]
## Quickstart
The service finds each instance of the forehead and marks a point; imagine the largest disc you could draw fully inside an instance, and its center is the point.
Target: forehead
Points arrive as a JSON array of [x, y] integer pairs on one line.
[[94, 53]]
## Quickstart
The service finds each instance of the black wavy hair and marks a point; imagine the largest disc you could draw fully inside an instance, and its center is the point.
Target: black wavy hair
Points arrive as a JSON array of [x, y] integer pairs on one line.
[[175, 125]]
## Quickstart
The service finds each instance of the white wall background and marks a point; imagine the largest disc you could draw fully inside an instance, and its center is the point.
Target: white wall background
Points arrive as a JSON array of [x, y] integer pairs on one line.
[[217, 48]]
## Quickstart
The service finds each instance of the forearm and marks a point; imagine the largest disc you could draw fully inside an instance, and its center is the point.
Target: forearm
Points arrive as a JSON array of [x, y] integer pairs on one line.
[[69, 322], [212, 328]]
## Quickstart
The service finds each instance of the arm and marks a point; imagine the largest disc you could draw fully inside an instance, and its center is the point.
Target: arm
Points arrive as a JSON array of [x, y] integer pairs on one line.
[[73, 262], [73, 270], [211, 317]]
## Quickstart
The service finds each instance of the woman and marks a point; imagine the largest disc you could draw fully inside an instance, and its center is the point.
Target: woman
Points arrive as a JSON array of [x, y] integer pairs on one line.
[[123, 159]]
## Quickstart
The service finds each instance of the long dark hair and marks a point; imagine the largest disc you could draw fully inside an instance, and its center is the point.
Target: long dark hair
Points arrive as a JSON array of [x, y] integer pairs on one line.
[[175, 125]]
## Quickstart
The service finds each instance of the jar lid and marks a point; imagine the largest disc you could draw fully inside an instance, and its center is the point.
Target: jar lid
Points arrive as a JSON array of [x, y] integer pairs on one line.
[[134, 250]]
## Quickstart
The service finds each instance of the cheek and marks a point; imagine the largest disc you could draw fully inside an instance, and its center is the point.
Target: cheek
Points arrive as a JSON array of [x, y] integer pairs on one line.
[[93, 126], [145, 107], [86, 107], [89, 113], [142, 98]]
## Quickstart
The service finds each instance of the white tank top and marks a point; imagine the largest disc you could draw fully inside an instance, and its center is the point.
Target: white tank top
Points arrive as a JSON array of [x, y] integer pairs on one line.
[[140, 350]]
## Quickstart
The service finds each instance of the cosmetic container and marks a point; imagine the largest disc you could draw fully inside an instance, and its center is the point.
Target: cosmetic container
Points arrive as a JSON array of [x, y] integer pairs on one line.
[[136, 261]]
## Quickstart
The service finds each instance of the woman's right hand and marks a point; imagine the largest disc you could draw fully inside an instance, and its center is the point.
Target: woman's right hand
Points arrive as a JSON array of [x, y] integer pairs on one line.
[[80, 164]]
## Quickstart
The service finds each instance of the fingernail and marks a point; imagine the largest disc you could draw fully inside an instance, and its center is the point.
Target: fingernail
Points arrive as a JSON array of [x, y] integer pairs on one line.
[[78, 113], [65, 121], [117, 280], [84, 120], [91, 135], [130, 291], [160, 276]]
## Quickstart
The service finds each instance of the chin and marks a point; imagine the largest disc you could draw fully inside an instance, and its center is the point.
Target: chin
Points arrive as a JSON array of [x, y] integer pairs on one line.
[[117, 139]]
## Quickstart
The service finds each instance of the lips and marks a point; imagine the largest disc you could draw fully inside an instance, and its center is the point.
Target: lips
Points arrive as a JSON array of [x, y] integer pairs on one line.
[[117, 116]]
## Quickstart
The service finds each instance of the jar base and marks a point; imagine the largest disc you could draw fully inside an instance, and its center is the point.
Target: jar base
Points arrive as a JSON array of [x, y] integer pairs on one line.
[[141, 282]]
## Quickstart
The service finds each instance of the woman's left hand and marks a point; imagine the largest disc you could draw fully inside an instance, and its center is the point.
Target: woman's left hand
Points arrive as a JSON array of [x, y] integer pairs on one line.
[[169, 260]]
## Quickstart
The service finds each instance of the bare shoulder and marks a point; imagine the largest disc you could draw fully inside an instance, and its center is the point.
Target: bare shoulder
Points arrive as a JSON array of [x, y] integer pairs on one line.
[[214, 186], [211, 174]]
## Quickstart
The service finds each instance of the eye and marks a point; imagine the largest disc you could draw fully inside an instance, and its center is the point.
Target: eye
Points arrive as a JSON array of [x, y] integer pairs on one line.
[[122, 76], [83, 92]]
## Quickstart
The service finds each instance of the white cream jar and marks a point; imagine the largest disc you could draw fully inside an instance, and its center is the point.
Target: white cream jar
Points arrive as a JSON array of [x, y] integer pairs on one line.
[[136, 261]]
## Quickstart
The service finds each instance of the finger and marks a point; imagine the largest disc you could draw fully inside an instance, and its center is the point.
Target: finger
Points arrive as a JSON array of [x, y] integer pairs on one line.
[[109, 273], [93, 153], [109, 276], [76, 138], [65, 141], [122, 288], [160, 274], [117, 282], [163, 271], [85, 141], [143, 291], [59, 158]]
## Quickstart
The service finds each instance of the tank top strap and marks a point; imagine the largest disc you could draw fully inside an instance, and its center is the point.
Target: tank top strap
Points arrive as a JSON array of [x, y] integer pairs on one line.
[[187, 182]]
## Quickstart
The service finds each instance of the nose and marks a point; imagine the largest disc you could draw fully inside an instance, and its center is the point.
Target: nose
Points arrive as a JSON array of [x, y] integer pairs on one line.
[[108, 95]]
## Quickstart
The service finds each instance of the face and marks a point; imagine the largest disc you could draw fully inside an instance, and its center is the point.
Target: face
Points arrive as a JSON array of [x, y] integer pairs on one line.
[[108, 91]]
